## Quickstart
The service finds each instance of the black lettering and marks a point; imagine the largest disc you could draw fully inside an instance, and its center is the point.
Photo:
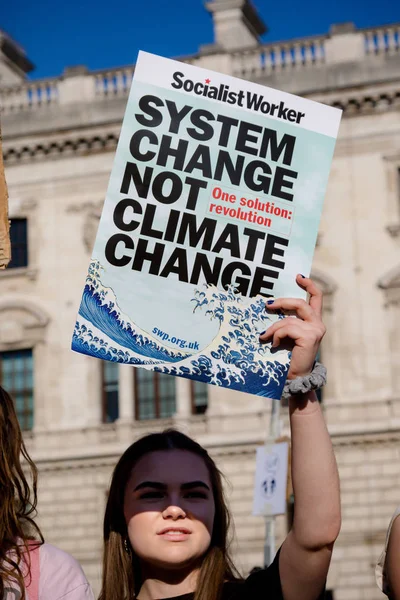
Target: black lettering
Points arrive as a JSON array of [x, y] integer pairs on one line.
[[199, 88], [178, 153], [172, 225], [240, 98], [232, 98], [274, 107], [177, 77], [199, 119], [280, 182], [119, 214], [145, 104], [254, 101], [260, 285], [111, 249], [176, 116], [271, 249], [227, 124], [154, 258], [241, 283], [188, 85], [177, 263], [244, 137], [282, 111], [254, 236], [134, 145], [201, 266], [270, 142], [189, 225], [158, 187], [148, 220], [195, 186], [229, 239], [224, 162], [142, 184], [200, 160], [261, 183], [265, 107]]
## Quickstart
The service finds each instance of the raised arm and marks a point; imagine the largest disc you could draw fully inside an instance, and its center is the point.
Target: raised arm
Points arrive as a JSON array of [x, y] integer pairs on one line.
[[306, 553]]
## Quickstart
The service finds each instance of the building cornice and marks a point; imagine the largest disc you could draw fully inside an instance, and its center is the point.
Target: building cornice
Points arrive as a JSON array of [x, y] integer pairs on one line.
[[358, 103], [219, 446], [80, 144]]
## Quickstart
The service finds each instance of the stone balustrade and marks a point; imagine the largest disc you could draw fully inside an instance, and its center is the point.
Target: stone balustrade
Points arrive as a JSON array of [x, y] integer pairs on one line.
[[279, 56], [113, 82], [30, 95], [382, 40], [341, 45]]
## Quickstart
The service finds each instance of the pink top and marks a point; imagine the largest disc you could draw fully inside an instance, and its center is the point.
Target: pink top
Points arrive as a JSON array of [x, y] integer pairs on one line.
[[61, 577]]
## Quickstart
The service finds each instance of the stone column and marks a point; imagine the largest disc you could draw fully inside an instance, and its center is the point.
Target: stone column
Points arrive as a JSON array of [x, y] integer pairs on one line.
[[394, 341], [328, 351], [41, 418], [126, 393], [91, 371], [328, 287], [237, 24], [77, 85], [183, 398], [345, 44], [390, 284]]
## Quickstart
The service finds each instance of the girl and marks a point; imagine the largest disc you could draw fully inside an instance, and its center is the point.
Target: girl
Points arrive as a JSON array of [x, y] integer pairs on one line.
[[29, 568], [166, 521]]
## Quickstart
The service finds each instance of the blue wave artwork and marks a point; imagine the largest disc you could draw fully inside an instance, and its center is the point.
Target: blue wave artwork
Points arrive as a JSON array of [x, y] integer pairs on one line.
[[235, 358]]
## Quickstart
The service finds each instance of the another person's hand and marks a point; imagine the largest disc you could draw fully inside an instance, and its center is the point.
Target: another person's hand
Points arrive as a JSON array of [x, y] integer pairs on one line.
[[304, 333]]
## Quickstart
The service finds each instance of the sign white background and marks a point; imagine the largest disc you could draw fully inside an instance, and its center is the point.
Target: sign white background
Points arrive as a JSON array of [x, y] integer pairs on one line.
[[270, 481]]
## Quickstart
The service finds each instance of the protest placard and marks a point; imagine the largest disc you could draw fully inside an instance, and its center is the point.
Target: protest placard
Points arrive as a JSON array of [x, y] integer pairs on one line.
[[213, 205]]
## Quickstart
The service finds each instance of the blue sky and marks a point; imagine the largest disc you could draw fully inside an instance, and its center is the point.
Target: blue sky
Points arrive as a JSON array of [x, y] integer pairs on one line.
[[102, 34]]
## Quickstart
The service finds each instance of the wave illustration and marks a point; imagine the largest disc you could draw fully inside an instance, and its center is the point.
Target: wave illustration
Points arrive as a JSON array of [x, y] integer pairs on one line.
[[234, 359], [99, 307]]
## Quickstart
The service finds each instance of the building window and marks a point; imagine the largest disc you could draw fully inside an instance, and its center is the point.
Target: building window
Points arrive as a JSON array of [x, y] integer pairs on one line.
[[16, 376], [110, 408], [199, 397], [19, 243], [154, 395]]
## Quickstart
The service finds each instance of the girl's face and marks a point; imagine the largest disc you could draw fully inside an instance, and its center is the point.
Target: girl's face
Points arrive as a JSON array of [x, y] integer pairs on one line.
[[169, 509]]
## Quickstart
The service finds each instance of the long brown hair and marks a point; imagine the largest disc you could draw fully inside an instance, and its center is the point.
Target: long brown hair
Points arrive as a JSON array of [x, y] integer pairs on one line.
[[17, 501], [121, 572]]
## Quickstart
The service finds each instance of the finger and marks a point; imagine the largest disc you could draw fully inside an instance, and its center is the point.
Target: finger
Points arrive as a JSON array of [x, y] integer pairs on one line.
[[290, 332], [271, 329], [301, 307], [298, 329], [315, 293], [295, 327]]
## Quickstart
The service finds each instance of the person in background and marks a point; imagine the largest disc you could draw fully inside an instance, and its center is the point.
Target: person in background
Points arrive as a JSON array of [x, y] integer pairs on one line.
[[388, 568], [30, 569], [166, 521]]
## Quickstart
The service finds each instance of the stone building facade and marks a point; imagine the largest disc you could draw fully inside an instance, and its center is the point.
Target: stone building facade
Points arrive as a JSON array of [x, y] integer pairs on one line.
[[59, 137]]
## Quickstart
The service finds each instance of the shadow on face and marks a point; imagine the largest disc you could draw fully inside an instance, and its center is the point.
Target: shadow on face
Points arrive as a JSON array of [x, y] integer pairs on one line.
[[169, 509]]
